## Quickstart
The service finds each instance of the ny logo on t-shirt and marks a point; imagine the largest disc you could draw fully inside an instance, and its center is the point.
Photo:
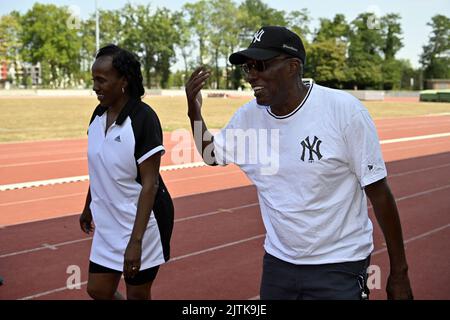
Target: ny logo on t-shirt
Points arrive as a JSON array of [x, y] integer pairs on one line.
[[314, 149]]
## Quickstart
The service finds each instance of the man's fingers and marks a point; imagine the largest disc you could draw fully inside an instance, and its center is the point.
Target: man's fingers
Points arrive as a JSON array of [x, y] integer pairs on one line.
[[196, 72], [198, 76], [197, 83]]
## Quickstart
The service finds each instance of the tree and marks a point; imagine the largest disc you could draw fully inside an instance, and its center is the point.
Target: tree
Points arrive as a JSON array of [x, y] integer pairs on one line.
[[298, 21], [391, 43], [337, 29], [165, 41], [224, 23], [258, 14], [392, 73], [326, 63], [181, 26], [435, 58], [251, 15], [152, 37], [410, 78], [199, 23], [48, 38], [364, 53], [10, 30], [111, 31], [391, 31], [326, 56]]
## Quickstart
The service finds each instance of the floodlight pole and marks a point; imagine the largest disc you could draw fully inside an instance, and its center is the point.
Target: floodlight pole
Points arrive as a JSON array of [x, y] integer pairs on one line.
[[97, 29]]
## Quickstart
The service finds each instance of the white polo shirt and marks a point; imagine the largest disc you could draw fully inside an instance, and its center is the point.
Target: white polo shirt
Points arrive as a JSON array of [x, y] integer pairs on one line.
[[115, 183], [309, 168]]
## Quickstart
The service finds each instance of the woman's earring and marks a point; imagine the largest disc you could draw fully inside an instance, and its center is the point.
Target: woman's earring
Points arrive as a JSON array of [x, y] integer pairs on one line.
[[123, 90]]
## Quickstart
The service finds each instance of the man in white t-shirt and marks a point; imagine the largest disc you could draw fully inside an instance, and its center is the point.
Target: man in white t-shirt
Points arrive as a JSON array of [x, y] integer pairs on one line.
[[313, 154]]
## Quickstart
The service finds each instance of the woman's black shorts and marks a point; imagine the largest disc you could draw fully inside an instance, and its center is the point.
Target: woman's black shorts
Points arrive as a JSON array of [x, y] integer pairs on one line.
[[142, 277]]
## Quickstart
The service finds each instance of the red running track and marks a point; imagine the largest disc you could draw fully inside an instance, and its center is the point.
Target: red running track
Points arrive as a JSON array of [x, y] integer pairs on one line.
[[31, 161], [218, 235]]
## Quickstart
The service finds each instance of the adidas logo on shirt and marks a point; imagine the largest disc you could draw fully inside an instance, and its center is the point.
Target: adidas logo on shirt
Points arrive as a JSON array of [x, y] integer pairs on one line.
[[117, 139]]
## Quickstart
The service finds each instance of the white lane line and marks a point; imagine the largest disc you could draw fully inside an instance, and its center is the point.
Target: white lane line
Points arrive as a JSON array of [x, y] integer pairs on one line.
[[400, 174], [420, 236], [49, 246], [437, 114], [46, 293], [41, 183], [418, 194], [55, 246], [40, 162], [230, 210], [211, 175], [429, 136], [379, 251], [43, 199], [229, 244], [230, 172], [182, 166], [8, 154], [416, 127], [43, 247], [394, 148]]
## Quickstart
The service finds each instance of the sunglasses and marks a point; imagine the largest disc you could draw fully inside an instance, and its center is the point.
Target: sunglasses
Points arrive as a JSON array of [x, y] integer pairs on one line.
[[260, 65]]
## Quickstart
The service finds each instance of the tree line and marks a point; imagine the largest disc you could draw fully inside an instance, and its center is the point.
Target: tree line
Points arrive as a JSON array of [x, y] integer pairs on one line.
[[340, 53]]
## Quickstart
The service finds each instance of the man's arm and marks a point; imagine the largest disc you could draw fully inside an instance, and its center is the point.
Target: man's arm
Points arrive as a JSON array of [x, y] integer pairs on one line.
[[385, 208], [202, 137]]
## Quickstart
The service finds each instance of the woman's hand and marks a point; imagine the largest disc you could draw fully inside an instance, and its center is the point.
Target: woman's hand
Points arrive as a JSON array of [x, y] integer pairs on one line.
[[86, 221], [132, 258]]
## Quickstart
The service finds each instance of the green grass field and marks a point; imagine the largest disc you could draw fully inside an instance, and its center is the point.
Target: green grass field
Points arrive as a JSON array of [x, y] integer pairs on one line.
[[38, 118]]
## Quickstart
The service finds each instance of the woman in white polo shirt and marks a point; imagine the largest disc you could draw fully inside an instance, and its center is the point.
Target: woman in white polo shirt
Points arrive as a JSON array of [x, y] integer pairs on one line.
[[127, 200]]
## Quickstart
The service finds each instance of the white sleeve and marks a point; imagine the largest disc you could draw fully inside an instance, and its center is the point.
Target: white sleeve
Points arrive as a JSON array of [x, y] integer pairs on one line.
[[224, 142], [365, 157]]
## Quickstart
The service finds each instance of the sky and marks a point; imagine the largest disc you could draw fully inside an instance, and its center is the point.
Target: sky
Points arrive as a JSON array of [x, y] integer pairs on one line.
[[415, 14]]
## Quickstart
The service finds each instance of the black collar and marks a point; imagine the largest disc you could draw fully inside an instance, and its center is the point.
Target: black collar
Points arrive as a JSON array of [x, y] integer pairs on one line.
[[126, 110], [124, 113]]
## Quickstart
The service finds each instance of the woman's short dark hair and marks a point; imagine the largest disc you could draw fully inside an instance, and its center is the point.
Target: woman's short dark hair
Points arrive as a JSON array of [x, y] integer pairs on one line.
[[128, 65]]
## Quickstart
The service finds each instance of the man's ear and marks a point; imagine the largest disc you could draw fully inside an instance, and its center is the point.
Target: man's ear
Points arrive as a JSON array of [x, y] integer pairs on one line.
[[295, 66]]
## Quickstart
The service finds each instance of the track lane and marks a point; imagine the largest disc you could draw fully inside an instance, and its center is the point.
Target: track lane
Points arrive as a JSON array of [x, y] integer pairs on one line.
[[411, 209]]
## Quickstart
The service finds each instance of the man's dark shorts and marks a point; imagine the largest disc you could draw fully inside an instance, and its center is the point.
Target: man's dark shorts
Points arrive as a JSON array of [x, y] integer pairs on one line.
[[334, 281]]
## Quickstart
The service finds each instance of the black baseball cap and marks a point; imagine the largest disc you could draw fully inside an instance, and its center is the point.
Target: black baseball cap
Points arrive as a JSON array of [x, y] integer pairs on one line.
[[269, 42]]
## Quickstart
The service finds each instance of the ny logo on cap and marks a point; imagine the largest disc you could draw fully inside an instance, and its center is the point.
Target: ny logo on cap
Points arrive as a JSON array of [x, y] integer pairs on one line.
[[258, 35]]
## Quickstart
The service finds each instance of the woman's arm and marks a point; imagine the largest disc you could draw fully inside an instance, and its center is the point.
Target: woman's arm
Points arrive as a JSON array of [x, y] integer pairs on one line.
[[149, 172], [86, 215]]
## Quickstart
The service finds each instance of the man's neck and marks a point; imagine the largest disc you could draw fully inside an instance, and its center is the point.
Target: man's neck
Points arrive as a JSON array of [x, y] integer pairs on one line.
[[295, 96]]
